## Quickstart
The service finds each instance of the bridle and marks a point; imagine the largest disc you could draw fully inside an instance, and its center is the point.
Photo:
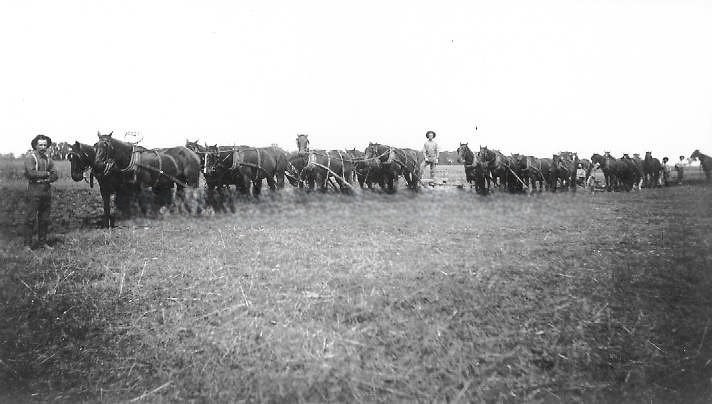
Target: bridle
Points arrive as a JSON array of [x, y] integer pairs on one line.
[[83, 160], [109, 163], [469, 156]]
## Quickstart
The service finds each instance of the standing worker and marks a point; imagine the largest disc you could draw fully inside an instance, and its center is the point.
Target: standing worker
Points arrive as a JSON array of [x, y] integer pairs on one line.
[[666, 171], [40, 172], [680, 168], [430, 152], [580, 175]]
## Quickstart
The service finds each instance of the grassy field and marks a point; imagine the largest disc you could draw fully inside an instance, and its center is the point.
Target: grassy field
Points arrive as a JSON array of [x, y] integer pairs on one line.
[[437, 296]]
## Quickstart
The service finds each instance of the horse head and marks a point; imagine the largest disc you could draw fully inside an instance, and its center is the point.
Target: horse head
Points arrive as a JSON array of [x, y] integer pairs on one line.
[[212, 160], [104, 153], [372, 150], [486, 155], [303, 143], [695, 154], [79, 160], [464, 154]]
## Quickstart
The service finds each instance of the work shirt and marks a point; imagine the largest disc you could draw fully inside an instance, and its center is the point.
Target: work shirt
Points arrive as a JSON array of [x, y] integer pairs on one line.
[[40, 171], [430, 150]]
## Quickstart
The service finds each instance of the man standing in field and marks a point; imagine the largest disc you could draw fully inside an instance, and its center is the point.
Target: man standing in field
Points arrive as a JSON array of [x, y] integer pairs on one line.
[[40, 172], [680, 168], [430, 152], [666, 171], [580, 175]]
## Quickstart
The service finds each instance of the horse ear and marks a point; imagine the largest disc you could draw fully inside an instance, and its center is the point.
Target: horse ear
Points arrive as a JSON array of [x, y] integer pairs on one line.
[[111, 133]]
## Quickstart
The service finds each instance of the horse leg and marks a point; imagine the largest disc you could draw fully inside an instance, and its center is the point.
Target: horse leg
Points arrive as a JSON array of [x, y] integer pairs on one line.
[[392, 181], [245, 182], [280, 180], [322, 179], [311, 181], [257, 187], [179, 201], [106, 198], [271, 183]]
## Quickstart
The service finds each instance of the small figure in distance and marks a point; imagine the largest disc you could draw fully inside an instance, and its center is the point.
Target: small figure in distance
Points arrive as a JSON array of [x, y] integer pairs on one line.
[[431, 153], [680, 168], [666, 172], [580, 175]]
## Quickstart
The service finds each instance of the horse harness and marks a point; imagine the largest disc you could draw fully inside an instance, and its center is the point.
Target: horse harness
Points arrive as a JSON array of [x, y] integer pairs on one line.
[[238, 160], [312, 162], [136, 163]]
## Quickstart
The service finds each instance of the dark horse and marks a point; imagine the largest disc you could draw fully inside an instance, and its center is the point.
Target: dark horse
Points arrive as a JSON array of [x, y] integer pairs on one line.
[[365, 170], [393, 162], [216, 185], [618, 173], [81, 158], [494, 164], [475, 171], [563, 169], [636, 165], [538, 171], [319, 166], [245, 165], [159, 169], [705, 162], [516, 177], [651, 170]]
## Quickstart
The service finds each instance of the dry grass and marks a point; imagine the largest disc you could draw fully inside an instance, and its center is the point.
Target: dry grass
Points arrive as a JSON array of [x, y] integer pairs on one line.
[[441, 295]]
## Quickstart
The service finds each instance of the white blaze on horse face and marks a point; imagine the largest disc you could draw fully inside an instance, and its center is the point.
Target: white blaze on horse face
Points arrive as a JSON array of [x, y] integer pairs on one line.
[[205, 164]]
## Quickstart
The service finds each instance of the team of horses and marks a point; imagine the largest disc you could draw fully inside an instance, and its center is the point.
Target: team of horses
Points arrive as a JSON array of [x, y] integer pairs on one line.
[[144, 179], [487, 168]]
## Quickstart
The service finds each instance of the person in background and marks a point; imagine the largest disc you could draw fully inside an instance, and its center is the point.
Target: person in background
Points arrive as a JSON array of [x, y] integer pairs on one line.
[[431, 152], [591, 180], [40, 172], [666, 171], [680, 168], [580, 175]]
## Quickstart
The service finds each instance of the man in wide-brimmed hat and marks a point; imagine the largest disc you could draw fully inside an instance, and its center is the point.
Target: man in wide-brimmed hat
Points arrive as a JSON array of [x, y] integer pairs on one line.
[[430, 152], [680, 168], [40, 172]]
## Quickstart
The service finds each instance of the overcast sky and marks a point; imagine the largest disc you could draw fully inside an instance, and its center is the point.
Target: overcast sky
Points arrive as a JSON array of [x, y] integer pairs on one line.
[[535, 77]]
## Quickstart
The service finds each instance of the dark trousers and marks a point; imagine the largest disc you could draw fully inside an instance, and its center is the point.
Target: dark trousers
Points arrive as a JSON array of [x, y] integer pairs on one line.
[[39, 201], [431, 168]]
